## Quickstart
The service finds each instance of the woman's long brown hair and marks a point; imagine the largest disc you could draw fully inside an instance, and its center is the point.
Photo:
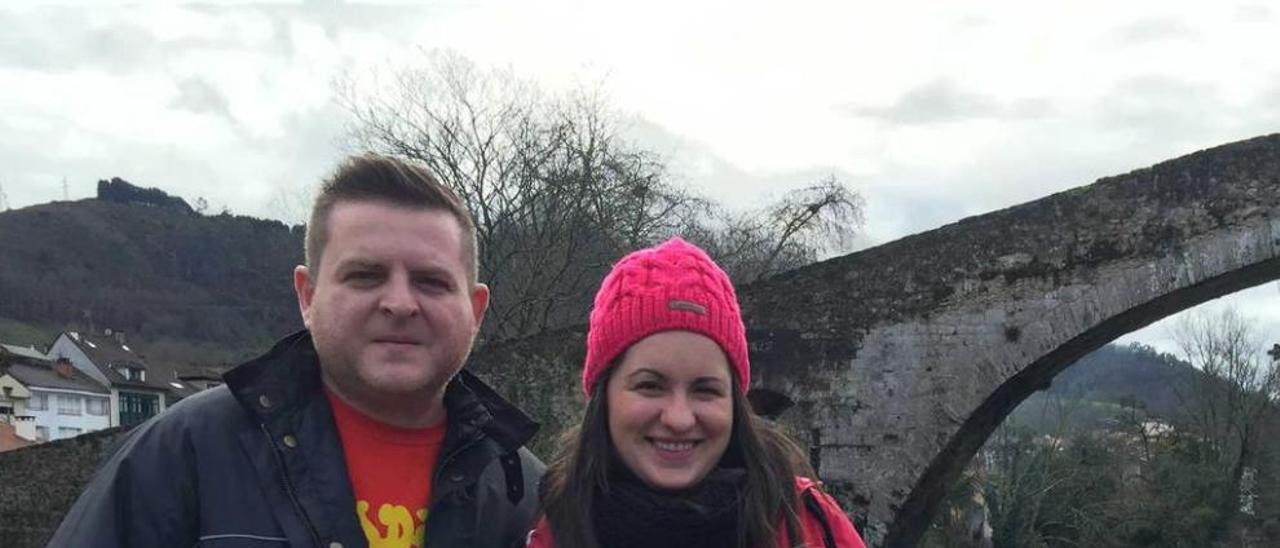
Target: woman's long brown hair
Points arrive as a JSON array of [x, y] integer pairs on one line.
[[581, 470]]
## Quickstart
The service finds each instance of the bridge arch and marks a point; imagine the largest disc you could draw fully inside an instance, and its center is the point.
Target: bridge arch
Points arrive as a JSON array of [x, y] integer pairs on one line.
[[918, 509], [904, 358]]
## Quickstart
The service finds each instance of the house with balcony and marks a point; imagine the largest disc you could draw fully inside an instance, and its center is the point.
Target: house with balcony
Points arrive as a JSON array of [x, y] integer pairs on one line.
[[17, 429], [17, 426]]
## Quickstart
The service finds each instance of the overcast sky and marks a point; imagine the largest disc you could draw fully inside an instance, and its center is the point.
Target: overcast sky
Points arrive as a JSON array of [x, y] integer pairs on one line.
[[934, 111]]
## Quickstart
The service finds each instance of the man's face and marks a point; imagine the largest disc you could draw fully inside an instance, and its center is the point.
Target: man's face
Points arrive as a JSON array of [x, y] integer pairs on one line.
[[391, 310]]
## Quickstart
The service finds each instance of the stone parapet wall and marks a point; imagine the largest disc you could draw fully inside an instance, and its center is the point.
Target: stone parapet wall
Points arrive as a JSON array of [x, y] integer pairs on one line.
[[38, 484]]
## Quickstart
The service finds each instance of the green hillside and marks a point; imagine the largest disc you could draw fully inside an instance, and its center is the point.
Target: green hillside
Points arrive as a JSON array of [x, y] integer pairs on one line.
[[149, 265], [1102, 387]]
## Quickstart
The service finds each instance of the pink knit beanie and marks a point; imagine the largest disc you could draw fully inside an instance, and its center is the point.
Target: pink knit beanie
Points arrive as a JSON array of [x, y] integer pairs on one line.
[[672, 287]]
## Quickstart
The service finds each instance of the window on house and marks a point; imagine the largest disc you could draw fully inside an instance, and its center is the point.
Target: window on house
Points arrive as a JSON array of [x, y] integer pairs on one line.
[[125, 372], [42, 433], [96, 406], [68, 405], [6, 410], [38, 402], [142, 375], [135, 407], [65, 432]]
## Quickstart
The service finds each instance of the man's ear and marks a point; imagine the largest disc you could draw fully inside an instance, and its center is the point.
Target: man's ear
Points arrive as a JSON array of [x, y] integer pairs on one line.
[[479, 303], [305, 290]]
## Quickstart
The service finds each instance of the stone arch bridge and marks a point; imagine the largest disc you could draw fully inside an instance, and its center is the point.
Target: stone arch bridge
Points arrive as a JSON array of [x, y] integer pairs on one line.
[[902, 359]]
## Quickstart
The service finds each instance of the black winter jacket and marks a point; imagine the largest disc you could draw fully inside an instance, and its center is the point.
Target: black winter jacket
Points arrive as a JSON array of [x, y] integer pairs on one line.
[[258, 463]]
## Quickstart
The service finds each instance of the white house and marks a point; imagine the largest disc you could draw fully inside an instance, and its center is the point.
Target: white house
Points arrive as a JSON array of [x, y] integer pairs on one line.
[[64, 403], [49, 401], [137, 391]]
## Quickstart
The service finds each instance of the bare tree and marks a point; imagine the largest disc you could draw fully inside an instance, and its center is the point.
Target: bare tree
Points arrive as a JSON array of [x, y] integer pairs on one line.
[[789, 233], [557, 193], [1234, 387]]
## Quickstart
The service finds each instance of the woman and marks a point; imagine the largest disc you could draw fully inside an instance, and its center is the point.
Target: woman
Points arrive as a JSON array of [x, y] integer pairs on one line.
[[669, 452]]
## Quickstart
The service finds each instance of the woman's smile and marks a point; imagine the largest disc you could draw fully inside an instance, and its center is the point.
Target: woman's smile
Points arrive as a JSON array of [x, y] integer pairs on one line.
[[670, 408]]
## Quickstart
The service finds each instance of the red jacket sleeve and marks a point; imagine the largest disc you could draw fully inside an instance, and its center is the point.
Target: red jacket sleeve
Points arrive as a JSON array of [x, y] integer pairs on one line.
[[540, 536]]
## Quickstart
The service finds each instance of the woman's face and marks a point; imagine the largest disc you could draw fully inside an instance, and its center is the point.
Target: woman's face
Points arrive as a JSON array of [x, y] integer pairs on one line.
[[671, 408]]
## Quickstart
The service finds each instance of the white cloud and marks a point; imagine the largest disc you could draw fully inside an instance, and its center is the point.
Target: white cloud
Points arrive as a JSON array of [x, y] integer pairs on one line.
[[934, 110], [942, 102], [1156, 29]]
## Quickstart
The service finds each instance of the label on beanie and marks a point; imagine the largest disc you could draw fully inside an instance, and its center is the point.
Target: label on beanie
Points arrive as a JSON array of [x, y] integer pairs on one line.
[[688, 306]]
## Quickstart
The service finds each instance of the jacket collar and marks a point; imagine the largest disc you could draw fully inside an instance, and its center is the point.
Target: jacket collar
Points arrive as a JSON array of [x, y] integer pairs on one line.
[[282, 382]]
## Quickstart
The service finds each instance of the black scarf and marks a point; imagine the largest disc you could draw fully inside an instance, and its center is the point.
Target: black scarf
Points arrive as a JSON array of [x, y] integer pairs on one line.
[[631, 515]]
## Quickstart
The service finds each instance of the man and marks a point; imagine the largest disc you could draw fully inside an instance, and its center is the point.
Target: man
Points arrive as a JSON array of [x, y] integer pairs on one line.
[[362, 429]]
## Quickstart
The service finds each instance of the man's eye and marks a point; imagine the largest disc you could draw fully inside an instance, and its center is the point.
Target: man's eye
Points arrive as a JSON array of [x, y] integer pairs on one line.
[[435, 284], [362, 275]]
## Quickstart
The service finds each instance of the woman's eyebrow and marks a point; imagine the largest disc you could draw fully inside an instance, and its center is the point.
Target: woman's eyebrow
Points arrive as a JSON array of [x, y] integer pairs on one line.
[[644, 371]]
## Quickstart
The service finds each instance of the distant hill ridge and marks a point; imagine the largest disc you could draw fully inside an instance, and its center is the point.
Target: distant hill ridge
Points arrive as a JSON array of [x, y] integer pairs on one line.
[[123, 192], [142, 261], [1094, 391]]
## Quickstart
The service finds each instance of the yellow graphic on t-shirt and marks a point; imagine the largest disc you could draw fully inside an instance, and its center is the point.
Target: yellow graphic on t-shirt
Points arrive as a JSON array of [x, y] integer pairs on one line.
[[402, 530]]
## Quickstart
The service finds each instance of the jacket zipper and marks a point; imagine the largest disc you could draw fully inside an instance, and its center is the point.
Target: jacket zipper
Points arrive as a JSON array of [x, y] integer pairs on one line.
[[452, 455], [288, 486], [435, 480]]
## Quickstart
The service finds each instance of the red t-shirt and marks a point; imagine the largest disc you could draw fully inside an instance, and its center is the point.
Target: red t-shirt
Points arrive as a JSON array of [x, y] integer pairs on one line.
[[390, 470]]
